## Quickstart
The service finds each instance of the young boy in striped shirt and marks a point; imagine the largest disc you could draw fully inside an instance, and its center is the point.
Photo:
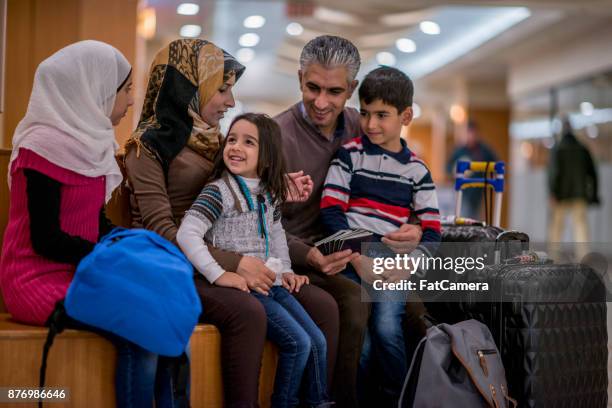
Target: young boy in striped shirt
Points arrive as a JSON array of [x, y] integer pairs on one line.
[[376, 183]]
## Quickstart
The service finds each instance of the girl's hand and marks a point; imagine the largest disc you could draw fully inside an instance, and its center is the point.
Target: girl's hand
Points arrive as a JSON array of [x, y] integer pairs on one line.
[[300, 187], [293, 282], [232, 280]]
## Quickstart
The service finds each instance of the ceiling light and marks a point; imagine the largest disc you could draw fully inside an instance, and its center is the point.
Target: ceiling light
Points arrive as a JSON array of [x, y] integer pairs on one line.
[[146, 23], [416, 110], [500, 20], [429, 27], [254, 22], [188, 9], [191, 30], [245, 55], [248, 40], [294, 28], [405, 45], [457, 113], [587, 108], [385, 58]]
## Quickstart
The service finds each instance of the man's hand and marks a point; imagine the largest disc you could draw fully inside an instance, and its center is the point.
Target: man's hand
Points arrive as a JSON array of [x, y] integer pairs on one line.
[[396, 275], [364, 267], [330, 264], [258, 277], [300, 187], [293, 282], [405, 239], [232, 280]]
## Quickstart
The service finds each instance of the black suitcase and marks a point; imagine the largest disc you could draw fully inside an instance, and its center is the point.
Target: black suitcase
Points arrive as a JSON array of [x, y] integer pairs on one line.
[[549, 323]]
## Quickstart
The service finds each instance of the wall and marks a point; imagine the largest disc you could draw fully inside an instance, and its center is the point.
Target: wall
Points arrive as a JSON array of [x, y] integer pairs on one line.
[[38, 28]]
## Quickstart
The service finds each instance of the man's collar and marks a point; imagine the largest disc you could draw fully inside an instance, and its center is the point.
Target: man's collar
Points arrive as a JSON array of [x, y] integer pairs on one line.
[[340, 124]]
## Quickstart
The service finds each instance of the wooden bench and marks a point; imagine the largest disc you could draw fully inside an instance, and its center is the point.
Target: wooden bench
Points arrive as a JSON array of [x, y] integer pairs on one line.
[[85, 363]]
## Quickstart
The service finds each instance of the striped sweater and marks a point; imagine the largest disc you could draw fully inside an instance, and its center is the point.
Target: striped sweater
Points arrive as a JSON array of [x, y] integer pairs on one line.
[[369, 187]]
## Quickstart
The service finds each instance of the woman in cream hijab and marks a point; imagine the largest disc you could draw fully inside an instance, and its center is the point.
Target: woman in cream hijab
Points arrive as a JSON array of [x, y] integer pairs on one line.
[[62, 172]]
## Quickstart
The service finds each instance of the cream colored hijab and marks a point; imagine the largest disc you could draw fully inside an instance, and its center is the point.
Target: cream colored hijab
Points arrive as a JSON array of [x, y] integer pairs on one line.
[[74, 93]]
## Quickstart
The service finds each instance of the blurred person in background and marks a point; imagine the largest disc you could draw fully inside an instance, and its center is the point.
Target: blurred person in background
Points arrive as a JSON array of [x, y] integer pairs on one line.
[[474, 149], [572, 184]]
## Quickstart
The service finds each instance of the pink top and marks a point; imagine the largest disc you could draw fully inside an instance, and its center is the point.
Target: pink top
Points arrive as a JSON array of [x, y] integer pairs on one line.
[[30, 283]]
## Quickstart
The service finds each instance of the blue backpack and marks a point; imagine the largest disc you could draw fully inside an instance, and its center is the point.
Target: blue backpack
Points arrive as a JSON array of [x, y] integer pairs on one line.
[[138, 286]]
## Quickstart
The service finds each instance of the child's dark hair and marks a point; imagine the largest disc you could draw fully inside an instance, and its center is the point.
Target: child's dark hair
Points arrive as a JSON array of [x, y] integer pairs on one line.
[[390, 85], [271, 167]]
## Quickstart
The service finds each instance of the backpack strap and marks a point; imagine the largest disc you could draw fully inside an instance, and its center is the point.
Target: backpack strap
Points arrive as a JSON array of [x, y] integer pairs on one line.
[[56, 323]]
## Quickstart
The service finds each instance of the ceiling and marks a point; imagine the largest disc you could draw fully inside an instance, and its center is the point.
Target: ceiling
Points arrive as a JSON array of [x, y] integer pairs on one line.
[[476, 37]]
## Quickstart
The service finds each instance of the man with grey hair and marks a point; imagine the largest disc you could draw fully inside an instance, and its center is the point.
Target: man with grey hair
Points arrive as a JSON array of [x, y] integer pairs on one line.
[[312, 131]]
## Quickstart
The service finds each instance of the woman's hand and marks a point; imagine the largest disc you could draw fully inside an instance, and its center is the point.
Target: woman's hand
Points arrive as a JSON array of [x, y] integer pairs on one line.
[[300, 187], [293, 282], [232, 280]]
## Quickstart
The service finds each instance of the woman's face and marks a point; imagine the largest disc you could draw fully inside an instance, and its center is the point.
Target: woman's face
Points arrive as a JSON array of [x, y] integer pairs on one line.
[[222, 100], [123, 101]]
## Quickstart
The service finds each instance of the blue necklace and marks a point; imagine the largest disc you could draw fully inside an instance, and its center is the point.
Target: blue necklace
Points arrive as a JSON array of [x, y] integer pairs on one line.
[[261, 209]]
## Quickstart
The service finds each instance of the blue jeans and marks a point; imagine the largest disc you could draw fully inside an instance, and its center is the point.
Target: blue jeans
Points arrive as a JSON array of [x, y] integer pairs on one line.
[[302, 350], [384, 344], [140, 376]]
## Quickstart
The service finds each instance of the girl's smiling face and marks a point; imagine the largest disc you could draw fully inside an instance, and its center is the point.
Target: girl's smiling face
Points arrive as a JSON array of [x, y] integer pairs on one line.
[[241, 152]]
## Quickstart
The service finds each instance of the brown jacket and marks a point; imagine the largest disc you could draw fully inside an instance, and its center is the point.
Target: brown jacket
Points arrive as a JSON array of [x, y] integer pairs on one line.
[[158, 205]]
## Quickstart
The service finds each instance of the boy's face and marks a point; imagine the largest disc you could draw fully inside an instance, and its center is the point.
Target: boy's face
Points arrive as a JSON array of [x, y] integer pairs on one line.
[[382, 123]]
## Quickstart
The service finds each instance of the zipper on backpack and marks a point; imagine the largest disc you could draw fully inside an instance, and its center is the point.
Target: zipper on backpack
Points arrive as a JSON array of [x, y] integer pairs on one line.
[[483, 360]]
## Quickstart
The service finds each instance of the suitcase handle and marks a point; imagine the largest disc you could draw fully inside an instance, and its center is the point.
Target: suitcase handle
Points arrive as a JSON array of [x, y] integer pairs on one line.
[[510, 236], [495, 182]]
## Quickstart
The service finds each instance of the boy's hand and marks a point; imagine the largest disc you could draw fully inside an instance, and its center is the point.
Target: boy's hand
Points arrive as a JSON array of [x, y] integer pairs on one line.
[[405, 239], [300, 187], [257, 275], [293, 282], [330, 264], [232, 280]]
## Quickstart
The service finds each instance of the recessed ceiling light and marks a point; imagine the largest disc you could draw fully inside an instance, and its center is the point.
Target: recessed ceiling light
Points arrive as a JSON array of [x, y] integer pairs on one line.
[[191, 30], [254, 22], [405, 45], [429, 27], [587, 108], [294, 28], [245, 55], [248, 40], [188, 9], [457, 113], [385, 58]]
